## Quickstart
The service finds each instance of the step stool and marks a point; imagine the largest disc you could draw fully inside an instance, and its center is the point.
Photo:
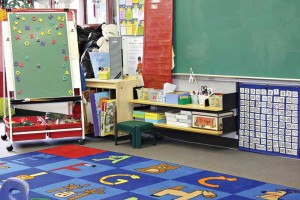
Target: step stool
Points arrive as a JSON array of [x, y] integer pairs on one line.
[[135, 128]]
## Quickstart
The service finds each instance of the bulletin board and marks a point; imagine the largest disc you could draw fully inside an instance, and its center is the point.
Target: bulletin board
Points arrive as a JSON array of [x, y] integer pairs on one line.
[[269, 119], [39, 61], [131, 17]]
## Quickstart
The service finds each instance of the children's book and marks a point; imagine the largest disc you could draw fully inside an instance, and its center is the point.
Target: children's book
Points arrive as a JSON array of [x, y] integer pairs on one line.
[[108, 117], [96, 100], [99, 59]]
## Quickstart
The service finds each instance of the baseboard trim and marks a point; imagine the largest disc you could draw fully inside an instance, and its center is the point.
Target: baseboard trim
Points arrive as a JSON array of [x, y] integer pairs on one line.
[[198, 138]]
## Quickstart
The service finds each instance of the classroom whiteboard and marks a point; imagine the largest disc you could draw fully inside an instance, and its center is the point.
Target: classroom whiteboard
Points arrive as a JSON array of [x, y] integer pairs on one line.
[[41, 55], [242, 38]]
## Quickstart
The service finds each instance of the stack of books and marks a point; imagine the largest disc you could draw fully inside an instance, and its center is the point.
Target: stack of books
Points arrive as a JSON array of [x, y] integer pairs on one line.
[[184, 118], [155, 117], [138, 115], [171, 117]]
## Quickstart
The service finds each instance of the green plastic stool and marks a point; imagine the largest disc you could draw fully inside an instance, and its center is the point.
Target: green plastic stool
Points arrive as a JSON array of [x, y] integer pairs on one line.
[[135, 128]]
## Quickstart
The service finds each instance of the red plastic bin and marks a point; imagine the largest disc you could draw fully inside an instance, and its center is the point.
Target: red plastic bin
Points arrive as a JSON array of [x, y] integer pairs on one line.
[[37, 124], [65, 133]]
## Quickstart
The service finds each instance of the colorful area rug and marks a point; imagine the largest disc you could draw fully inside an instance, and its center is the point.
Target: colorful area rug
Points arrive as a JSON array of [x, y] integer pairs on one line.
[[76, 172]]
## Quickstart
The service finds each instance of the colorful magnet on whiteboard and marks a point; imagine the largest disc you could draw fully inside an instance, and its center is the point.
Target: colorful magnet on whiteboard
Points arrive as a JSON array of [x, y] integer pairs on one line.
[[42, 33], [20, 31], [38, 65], [52, 23], [18, 73], [21, 64], [38, 27], [64, 65], [50, 17], [59, 18], [63, 51], [70, 92], [23, 18], [49, 32], [18, 37], [15, 28], [67, 72], [53, 42], [18, 78], [14, 17], [33, 18], [41, 20], [27, 43], [20, 92], [43, 43], [61, 25], [16, 63], [31, 36], [17, 17], [56, 28], [64, 43], [38, 40], [66, 58], [26, 58], [59, 33], [64, 78], [27, 27], [16, 22], [63, 19]]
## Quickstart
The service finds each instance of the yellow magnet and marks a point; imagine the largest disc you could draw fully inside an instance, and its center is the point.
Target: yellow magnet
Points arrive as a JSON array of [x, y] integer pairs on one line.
[[49, 32], [18, 73], [27, 43], [67, 72]]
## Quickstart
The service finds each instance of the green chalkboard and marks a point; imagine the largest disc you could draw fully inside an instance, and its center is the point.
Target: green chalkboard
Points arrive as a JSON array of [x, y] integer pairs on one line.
[[243, 38], [40, 54]]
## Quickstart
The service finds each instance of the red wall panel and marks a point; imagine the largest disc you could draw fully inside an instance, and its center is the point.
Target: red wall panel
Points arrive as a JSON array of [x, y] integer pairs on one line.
[[157, 59]]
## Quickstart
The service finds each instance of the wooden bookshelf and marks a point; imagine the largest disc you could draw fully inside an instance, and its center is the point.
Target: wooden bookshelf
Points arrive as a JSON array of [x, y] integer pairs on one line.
[[194, 130], [229, 123]]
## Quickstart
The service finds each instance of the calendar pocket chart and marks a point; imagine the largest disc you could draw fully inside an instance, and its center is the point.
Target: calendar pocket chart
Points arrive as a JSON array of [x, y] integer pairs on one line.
[[269, 119]]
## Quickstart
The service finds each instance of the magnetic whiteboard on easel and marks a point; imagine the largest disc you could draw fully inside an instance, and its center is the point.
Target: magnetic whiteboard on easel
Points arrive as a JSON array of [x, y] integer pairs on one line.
[[41, 55]]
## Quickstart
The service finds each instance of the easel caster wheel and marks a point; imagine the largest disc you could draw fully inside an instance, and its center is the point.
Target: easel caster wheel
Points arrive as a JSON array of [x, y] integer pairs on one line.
[[3, 137], [9, 148], [81, 142]]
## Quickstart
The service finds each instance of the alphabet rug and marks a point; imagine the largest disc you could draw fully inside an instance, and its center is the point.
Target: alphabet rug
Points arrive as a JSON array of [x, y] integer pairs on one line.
[[74, 172]]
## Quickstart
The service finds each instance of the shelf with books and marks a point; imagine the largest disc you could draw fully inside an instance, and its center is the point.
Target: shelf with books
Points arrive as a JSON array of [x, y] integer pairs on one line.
[[202, 120]]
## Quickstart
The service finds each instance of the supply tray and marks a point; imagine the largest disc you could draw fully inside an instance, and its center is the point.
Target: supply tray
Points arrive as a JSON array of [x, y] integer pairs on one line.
[[37, 123], [37, 128]]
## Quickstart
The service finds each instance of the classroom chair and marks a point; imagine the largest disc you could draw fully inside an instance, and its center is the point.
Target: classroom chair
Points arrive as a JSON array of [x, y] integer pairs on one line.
[[135, 128]]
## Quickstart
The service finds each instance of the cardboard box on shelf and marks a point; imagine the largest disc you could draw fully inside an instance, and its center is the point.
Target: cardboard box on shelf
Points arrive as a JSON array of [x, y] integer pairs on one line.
[[173, 97], [209, 120]]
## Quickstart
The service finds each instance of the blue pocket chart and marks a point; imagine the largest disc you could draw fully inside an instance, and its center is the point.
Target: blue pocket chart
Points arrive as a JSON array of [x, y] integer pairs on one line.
[[269, 119]]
